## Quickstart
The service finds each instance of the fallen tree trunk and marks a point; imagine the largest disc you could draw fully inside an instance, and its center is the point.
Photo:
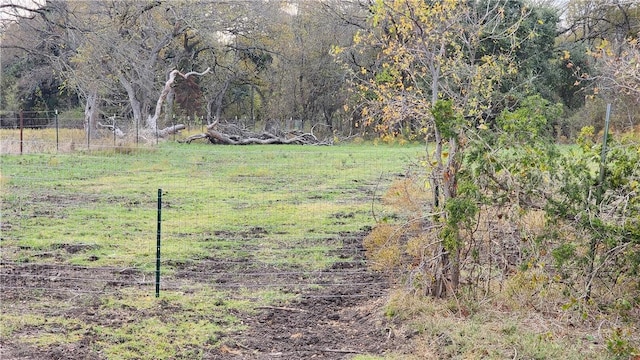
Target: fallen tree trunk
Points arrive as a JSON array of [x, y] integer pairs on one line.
[[170, 130], [119, 133], [244, 137]]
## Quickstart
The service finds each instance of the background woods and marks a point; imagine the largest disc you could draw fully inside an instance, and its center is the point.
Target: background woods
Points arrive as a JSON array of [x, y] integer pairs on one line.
[[270, 62], [273, 64]]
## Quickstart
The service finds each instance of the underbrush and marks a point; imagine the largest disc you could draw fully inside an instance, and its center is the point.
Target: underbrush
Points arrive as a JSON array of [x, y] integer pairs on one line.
[[548, 262], [501, 327]]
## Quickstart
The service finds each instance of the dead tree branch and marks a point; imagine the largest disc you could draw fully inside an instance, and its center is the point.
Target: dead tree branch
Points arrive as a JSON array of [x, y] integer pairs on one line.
[[152, 121], [119, 133], [232, 135]]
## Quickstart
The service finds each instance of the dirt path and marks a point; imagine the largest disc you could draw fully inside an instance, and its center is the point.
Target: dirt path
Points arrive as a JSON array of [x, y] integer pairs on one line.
[[336, 325], [335, 322]]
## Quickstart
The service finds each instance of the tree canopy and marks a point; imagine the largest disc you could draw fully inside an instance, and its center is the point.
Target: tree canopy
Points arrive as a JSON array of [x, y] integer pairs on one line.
[[274, 63]]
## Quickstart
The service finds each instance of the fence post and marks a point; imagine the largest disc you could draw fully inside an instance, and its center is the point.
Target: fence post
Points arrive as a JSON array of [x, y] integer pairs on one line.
[[114, 130], [158, 243], [57, 137], [21, 129]]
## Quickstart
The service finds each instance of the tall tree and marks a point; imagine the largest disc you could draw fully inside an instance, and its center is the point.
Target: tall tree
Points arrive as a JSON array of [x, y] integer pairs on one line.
[[432, 72], [304, 70], [36, 46]]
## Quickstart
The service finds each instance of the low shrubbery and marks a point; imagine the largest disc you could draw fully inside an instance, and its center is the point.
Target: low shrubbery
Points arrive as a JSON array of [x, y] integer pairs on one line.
[[538, 225]]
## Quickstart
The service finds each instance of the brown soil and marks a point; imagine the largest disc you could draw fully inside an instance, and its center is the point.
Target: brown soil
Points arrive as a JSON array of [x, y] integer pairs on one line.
[[336, 324], [338, 317]]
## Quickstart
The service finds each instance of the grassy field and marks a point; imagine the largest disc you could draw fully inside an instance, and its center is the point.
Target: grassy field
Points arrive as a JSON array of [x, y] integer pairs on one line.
[[261, 256], [75, 224]]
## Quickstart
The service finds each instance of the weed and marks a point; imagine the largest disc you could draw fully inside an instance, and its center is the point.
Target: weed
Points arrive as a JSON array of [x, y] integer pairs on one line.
[[620, 346]]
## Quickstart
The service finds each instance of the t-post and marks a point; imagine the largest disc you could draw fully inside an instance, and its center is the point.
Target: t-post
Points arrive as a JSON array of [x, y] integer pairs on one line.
[[158, 243], [57, 137]]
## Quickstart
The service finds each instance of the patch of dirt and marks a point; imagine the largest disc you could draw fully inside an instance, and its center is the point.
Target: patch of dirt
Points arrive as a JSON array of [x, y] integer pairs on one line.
[[23, 282], [336, 324], [337, 315], [75, 248], [338, 321], [46, 290]]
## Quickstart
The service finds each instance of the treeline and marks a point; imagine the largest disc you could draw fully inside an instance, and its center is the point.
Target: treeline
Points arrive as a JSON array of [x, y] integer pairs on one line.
[[270, 62], [274, 63]]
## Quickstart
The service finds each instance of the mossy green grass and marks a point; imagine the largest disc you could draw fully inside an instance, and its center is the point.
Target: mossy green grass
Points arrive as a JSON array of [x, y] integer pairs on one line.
[[262, 207]]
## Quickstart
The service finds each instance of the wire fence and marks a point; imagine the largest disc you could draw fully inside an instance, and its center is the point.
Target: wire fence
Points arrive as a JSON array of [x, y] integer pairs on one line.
[[245, 221], [32, 132]]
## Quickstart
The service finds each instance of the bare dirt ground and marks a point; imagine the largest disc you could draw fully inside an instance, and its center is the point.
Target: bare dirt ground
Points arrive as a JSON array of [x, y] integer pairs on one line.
[[336, 321]]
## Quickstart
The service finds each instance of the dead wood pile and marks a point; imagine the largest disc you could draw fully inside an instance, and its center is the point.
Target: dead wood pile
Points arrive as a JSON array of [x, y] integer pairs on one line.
[[230, 134]]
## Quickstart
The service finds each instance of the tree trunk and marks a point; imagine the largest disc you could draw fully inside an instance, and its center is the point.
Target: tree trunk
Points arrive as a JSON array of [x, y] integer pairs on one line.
[[168, 107], [91, 112], [136, 106], [237, 136], [213, 119], [446, 272], [450, 185]]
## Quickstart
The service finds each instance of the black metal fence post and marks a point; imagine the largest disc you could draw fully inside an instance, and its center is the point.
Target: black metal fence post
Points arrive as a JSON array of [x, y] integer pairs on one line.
[[21, 129], [57, 133], [158, 243]]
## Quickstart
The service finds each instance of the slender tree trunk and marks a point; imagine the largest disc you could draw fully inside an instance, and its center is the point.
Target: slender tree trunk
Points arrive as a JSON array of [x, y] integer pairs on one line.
[[91, 111], [450, 182], [220, 99], [446, 276], [168, 107], [136, 106]]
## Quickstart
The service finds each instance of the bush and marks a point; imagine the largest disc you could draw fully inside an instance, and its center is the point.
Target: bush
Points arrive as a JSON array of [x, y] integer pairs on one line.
[[524, 203]]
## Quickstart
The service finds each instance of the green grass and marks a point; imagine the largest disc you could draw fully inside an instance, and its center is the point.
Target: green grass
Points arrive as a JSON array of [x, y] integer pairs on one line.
[[273, 207], [488, 332], [109, 199], [132, 324], [256, 208]]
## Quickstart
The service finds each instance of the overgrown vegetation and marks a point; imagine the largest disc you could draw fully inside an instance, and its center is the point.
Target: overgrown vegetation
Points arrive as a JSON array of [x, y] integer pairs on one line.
[[541, 227]]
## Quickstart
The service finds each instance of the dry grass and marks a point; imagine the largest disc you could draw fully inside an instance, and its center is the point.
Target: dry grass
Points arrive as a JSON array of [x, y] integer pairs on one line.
[[491, 329], [43, 141], [513, 302]]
